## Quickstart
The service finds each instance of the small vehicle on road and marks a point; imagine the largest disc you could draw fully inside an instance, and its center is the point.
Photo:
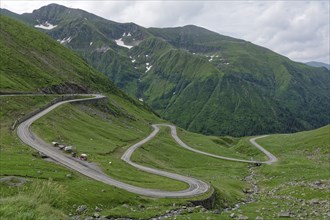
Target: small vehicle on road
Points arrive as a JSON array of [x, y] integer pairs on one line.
[[83, 157]]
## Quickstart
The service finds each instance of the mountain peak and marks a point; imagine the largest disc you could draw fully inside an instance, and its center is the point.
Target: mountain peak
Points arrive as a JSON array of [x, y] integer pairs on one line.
[[52, 6], [49, 13]]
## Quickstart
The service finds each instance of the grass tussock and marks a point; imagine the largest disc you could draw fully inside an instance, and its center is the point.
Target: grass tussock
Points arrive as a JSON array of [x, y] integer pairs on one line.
[[39, 200]]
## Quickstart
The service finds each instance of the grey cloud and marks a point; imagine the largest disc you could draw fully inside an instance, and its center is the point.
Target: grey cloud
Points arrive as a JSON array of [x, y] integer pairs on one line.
[[299, 30]]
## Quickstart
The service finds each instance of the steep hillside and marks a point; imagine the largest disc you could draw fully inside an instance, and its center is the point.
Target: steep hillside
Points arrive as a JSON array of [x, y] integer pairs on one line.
[[209, 83], [201, 80], [103, 130], [243, 90], [93, 38], [32, 61]]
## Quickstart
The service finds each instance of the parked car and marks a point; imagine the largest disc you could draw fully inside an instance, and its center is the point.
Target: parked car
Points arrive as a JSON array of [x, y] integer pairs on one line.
[[68, 149], [83, 157]]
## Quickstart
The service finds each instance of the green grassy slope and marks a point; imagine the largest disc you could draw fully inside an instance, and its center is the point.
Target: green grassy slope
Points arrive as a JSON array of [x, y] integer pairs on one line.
[[32, 61], [163, 152], [298, 181], [193, 38], [302, 157], [92, 37], [297, 184], [112, 135], [53, 191], [106, 145], [253, 90]]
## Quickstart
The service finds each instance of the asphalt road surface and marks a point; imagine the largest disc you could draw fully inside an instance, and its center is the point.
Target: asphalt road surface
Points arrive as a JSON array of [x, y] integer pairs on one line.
[[196, 187], [271, 157]]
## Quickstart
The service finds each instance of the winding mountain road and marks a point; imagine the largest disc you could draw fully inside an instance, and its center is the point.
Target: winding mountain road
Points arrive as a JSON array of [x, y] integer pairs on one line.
[[196, 187]]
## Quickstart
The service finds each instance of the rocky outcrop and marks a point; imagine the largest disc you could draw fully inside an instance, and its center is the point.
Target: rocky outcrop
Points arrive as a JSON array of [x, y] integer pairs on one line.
[[207, 203]]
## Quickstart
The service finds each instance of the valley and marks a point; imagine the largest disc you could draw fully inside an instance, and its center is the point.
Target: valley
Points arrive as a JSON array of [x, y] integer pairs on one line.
[[196, 187], [233, 131], [163, 153], [194, 77]]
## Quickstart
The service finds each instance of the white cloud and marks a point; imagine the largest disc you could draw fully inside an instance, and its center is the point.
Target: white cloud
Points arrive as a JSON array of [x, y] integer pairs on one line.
[[297, 29]]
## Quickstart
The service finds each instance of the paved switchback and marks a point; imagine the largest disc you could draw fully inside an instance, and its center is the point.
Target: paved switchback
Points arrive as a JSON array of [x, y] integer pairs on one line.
[[196, 187]]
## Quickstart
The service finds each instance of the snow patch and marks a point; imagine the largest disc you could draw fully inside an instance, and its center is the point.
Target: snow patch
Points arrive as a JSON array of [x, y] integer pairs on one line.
[[121, 43], [211, 58], [90, 44], [148, 68], [133, 61], [65, 40], [141, 99], [129, 34], [46, 26]]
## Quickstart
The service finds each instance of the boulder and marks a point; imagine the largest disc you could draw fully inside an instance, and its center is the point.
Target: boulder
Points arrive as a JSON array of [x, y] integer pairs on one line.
[[97, 209], [81, 209], [96, 215], [315, 201], [284, 214], [242, 217]]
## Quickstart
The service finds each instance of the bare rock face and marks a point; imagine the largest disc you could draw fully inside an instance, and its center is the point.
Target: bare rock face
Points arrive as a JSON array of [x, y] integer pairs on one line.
[[65, 88]]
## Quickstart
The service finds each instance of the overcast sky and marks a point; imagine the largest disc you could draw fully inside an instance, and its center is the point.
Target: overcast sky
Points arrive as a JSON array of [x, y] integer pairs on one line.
[[297, 29]]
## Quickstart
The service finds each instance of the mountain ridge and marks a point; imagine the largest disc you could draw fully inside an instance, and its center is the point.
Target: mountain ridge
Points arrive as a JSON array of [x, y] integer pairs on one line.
[[33, 62], [199, 79], [318, 64]]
